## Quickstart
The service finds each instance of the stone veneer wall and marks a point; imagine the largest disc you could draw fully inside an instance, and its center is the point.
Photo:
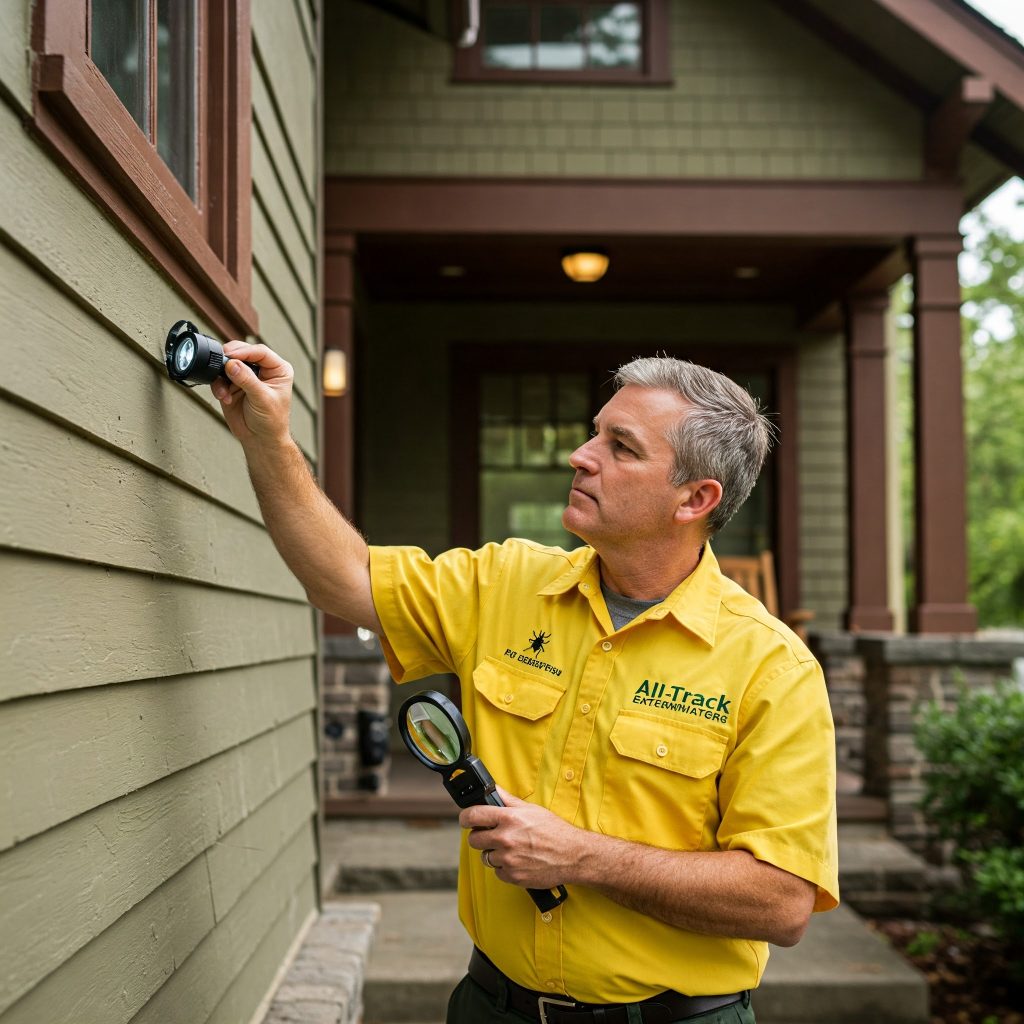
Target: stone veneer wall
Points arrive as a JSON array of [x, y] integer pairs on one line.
[[355, 679], [900, 674], [844, 676]]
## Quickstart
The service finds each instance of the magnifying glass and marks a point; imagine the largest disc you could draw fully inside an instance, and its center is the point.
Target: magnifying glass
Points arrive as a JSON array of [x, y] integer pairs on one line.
[[435, 731], [193, 358]]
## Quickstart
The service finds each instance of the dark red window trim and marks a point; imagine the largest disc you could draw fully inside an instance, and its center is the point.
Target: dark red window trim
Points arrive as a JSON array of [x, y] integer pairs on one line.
[[204, 247], [655, 69]]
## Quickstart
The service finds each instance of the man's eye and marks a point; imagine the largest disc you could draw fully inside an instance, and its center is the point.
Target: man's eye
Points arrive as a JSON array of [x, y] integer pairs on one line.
[[620, 447]]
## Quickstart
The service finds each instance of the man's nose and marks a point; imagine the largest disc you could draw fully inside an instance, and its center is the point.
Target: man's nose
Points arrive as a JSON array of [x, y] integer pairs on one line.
[[583, 458]]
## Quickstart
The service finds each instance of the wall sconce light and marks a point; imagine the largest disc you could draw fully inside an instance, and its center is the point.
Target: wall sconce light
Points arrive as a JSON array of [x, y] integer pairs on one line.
[[335, 372], [585, 265]]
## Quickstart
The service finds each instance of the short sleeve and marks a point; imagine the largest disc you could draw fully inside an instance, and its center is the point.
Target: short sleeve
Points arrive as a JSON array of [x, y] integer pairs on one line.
[[430, 607], [777, 790]]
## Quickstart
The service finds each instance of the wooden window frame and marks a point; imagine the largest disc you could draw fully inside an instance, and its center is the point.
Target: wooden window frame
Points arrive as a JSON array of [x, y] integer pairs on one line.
[[655, 69], [204, 245]]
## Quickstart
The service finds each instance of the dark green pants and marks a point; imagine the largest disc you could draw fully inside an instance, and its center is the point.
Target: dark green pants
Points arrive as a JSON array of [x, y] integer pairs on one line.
[[470, 1004]]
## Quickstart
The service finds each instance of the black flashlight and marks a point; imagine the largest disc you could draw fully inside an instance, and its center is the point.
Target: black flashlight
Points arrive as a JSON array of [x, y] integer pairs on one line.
[[435, 731], [193, 358]]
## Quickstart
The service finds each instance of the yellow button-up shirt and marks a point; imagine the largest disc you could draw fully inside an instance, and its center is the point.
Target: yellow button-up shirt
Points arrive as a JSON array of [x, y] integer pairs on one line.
[[703, 724]]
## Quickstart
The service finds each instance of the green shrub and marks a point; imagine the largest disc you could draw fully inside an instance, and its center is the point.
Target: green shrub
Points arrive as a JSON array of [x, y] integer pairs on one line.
[[974, 796]]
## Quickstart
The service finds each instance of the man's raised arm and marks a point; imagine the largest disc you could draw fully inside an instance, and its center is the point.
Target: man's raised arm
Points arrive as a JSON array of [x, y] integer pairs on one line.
[[324, 551]]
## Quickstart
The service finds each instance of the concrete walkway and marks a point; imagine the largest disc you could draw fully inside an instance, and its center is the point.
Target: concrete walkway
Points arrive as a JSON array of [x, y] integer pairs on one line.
[[841, 973]]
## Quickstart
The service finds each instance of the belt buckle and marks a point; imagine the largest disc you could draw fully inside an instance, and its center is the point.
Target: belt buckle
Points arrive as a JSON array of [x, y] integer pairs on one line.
[[542, 1000]]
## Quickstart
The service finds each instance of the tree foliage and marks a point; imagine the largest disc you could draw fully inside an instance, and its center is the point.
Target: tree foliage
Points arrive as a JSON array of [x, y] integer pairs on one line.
[[994, 411], [993, 362]]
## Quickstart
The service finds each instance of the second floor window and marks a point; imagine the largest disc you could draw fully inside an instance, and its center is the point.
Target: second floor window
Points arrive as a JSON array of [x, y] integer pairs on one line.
[[568, 41]]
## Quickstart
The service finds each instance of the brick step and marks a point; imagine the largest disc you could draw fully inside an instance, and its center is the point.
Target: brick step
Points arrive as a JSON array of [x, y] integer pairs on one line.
[[421, 951]]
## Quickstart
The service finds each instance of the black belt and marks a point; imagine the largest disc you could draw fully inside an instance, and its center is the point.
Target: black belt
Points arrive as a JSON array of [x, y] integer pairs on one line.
[[660, 1009]]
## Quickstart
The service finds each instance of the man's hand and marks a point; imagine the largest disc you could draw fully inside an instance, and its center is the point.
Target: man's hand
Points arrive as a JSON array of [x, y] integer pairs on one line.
[[531, 847], [717, 892], [255, 408]]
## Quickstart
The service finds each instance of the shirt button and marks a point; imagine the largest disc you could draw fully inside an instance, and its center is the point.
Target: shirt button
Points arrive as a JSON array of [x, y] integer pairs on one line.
[[585, 709], [546, 917], [552, 984], [606, 646], [662, 750], [570, 775], [584, 586], [507, 698]]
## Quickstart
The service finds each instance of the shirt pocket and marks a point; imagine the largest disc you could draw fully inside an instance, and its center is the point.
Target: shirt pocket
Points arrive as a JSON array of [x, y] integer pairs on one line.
[[514, 713], [659, 781]]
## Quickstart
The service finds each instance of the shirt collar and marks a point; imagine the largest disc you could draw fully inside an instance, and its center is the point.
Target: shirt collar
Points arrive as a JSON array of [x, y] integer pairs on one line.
[[694, 604]]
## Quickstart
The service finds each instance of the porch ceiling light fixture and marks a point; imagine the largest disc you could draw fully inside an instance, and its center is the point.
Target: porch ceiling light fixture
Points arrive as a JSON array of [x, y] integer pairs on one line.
[[192, 358], [585, 265], [335, 373]]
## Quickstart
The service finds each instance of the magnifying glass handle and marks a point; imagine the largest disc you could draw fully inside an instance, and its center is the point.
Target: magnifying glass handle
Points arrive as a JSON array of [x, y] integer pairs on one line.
[[546, 899]]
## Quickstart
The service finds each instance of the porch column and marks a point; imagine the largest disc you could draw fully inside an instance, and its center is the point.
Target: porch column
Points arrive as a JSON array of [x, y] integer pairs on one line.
[[940, 465], [339, 418], [866, 470]]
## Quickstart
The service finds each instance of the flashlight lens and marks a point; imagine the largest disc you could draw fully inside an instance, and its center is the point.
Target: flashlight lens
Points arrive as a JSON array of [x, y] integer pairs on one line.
[[185, 354]]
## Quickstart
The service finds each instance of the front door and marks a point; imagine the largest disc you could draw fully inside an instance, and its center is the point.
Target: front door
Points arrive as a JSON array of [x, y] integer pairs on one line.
[[524, 417]]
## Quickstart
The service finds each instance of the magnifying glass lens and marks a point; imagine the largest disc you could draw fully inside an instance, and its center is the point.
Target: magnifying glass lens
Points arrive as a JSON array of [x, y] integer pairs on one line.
[[433, 733], [185, 354]]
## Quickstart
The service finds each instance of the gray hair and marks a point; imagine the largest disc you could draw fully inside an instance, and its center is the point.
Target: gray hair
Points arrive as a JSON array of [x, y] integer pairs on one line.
[[724, 437]]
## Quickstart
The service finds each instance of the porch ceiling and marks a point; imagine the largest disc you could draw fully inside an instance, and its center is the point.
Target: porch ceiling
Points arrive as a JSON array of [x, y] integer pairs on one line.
[[807, 275]]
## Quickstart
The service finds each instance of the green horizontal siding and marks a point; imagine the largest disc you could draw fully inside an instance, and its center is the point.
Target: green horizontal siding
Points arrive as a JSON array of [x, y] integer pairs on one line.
[[157, 704]]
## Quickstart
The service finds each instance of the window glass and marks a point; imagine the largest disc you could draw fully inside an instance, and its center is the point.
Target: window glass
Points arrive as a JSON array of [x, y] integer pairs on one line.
[[507, 36], [751, 530], [176, 89], [614, 36], [118, 31], [525, 444], [561, 38]]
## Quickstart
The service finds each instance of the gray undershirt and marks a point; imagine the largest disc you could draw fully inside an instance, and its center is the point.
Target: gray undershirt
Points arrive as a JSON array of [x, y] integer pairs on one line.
[[625, 609]]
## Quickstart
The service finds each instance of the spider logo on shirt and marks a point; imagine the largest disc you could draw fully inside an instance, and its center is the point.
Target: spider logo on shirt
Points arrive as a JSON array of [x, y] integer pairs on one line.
[[537, 642]]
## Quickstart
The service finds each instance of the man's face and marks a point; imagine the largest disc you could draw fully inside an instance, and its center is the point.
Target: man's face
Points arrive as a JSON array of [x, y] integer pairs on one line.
[[621, 491]]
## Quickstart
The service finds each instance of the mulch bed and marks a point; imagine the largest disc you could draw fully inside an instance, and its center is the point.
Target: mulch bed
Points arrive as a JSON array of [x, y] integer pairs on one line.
[[968, 973]]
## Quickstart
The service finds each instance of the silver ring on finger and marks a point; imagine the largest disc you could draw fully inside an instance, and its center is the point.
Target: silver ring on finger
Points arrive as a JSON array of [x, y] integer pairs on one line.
[[485, 856]]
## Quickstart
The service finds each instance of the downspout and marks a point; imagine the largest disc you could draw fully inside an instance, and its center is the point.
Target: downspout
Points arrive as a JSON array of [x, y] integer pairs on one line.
[[472, 29]]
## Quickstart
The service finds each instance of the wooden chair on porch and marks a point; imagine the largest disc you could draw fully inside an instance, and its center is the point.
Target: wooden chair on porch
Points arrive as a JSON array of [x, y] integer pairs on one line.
[[756, 575]]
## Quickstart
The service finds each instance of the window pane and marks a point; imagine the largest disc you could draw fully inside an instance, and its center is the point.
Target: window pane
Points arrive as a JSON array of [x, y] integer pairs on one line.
[[561, 38], [573, 397], [498, 446], [118, 32], [176, 91], [614, 36], [525, 503], [537, 444], [498, 397], [507, 37], [570, 437], [535, 397]]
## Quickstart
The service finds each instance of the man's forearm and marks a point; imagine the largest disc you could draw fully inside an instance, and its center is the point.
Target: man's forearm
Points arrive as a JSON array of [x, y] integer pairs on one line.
[[324, 551], [724, 892], [715, 893]]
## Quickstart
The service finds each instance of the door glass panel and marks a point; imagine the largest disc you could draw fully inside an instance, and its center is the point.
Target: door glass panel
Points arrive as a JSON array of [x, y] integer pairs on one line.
[[118, 34], [752, 529], [524, 469], [573, 397]]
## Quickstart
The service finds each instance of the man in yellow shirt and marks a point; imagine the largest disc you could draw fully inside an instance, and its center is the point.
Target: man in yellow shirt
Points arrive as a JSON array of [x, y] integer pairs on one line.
[[664, 746]]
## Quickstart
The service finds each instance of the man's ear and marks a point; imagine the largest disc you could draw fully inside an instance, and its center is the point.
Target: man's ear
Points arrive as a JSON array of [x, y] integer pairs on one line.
[[697, 499]]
